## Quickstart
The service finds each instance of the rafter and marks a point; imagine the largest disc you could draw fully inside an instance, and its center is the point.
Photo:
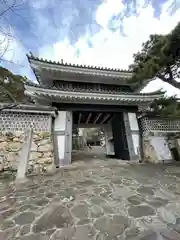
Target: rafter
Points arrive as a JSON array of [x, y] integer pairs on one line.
[[97, 117], [88, 118], [105, 118]]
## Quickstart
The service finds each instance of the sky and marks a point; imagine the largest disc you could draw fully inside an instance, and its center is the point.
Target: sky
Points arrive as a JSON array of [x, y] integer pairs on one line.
[[93, 32]]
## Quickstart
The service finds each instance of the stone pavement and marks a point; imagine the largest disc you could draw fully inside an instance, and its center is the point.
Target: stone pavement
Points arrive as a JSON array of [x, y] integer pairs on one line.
[[97, 200]]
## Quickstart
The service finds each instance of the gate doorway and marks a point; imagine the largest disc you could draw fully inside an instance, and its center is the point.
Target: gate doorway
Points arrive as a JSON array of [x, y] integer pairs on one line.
[[88, 144], [108, 135]]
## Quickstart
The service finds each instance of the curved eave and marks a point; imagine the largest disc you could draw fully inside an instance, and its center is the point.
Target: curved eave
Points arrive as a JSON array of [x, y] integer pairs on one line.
[[95, 97], [39, 66]]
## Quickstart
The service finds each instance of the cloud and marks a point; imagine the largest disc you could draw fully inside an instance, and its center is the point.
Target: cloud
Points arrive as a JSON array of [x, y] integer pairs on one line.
[[104, 33]]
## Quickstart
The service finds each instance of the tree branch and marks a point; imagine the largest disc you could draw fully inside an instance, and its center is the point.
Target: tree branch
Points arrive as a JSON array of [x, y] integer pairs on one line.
[[8, 93], [169, 80], [8, 8]]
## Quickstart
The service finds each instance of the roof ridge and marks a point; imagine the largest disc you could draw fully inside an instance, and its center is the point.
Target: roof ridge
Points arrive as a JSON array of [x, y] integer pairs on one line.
[[76, 65]]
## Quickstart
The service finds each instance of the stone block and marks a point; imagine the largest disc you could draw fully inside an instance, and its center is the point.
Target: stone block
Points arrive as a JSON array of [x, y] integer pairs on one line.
[[34, 155], [34, 147], [44, 142], [45, 148], [44, 134], [14, 164], [47, 154], [2, 138], [15, 139], [9, 136], [14, 147], [58, 216], [36, 169], [3, 145], [12, 156], [45, 160], [50, 169], [36, 137]]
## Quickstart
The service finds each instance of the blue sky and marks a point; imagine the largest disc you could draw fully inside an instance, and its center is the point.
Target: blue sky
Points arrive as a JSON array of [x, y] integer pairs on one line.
[[95, 32]]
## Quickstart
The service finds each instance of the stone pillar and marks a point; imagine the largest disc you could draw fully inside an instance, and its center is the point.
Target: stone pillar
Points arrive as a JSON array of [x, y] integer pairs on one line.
[[24, 157], [133, 136], [63, 138], [109, 140]]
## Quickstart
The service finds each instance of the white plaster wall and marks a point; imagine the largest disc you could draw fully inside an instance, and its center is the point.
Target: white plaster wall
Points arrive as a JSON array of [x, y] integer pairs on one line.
[[61, 148], [135, 138], [135, 135], [133, 122], [161, 148], [68, 146], [60, 121], [60, 125]]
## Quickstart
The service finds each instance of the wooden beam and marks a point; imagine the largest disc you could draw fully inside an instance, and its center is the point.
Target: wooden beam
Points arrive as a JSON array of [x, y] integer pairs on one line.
[[97, 117], [105, 118], [88, 118]]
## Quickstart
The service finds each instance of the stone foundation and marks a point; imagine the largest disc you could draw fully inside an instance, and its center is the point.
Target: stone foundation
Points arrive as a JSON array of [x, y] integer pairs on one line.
[[41, 157], [10, 148], [155, 148], [149, 151], [14, 124]]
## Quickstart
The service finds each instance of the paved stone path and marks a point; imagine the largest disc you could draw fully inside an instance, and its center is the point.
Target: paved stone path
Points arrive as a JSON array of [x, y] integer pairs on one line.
[[97, 200]]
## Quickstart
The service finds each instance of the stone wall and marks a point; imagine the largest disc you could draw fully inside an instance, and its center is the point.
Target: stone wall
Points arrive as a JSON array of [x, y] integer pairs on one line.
[[155, 148], [13, 126], [41, 156], [155, 135], [10, 148]]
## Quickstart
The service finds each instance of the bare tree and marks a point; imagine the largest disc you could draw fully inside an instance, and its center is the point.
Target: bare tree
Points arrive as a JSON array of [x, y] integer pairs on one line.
[[9, 10], [7, 25]]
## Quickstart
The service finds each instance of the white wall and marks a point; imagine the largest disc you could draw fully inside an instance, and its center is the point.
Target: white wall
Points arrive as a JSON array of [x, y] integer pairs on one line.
[[60, 121], [134, 128], [135, 138], [133, 122], [68, 140], [63, 125], [61, 149]]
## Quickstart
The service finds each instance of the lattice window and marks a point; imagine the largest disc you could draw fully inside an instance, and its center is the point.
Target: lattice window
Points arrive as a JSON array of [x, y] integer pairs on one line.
[[154, 125], [90, 87], [12, 122]]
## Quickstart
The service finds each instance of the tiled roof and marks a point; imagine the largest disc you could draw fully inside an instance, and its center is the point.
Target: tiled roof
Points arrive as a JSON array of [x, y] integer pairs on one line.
[[31, 57], [27, 107]]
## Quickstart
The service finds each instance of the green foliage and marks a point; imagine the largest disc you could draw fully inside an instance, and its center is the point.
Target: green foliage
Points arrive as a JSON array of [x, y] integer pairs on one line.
[[159, 57], [11, 87], [166, 107]]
